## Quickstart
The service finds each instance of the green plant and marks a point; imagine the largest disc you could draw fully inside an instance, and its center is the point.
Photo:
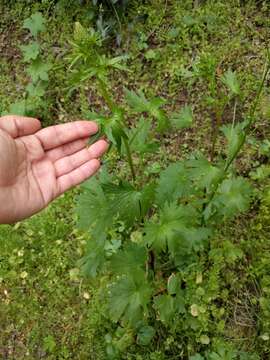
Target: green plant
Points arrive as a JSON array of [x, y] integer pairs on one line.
[[37, 69], [224, 352], [107, 15], [147, 230], [223, 90], [110, 16]]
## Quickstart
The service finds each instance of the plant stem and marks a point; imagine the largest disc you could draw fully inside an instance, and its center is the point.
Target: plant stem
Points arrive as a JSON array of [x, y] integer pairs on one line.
[[112, 106], [129, 157], [250, 117], [250, 121], [215, 133], [105, 94]]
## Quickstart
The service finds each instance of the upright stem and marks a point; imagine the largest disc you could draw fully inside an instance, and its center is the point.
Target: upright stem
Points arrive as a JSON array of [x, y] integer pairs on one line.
[[215, 93], [111, 105], [251, 117], [129, 157], [217, 125], [105, 94]]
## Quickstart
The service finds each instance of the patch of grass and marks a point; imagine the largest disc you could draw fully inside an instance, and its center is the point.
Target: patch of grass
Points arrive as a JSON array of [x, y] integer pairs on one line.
[[47, 309]]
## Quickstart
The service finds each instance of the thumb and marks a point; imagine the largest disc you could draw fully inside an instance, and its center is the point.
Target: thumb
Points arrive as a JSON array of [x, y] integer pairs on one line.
[[19, 125]]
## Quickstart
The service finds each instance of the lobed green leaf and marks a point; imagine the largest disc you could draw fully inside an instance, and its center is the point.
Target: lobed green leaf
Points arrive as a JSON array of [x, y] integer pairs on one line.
[[183, 119], [130, 259], [129, 297], [38, 70], [231, 81], [30, 51], [235, 136], [35, 24], [173, 184]]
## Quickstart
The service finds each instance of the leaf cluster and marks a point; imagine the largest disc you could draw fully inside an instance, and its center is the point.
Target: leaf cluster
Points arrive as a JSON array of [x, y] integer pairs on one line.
[[37, 69], [165, 219], [86, 58]]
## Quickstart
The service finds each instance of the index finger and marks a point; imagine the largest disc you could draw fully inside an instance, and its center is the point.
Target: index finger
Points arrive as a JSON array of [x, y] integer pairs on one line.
[[57, 135], [19, 125]]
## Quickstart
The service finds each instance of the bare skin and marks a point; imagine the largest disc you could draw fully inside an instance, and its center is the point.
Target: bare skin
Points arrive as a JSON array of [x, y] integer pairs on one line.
[[37, 165]]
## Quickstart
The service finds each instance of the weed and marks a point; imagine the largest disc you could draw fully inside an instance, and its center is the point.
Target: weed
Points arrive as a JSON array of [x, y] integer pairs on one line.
[[37, 70], [174, 213]]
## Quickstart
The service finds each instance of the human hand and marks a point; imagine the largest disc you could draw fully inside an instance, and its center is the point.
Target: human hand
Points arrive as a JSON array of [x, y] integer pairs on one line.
[[36, 166]]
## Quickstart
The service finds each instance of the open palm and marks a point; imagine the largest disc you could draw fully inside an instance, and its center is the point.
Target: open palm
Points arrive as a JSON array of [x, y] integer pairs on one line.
[[37, 165]]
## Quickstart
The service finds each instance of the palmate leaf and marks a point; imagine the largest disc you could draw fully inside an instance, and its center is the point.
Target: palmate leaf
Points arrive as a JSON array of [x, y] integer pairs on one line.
[[168, 306], [173, 184], [187, 241], [94, 259], [233, 197], [139, 103], [203, 173], [173, 219], [38, 70], [130, 259], [129, 297], [141, 139], [223, 353], [30, 51], [231, 81], [112, 126], [35, 24], [93, 208], [37, 90], [183, 119], [235, 136], [145, 335], [129, 203], [177, 230]]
